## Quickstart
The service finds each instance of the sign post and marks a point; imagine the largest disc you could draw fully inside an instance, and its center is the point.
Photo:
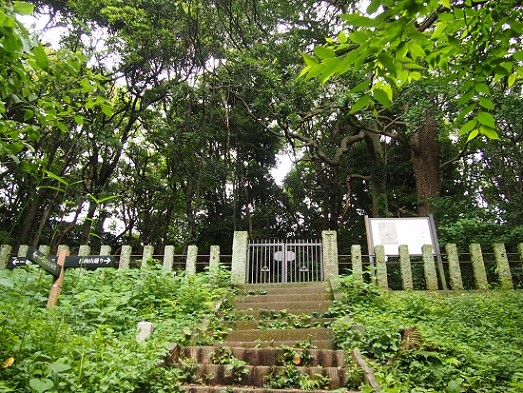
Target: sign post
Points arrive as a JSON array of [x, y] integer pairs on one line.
[[56, 288]]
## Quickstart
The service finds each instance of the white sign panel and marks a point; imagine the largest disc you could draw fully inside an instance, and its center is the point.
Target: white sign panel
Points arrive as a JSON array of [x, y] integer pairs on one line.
[[393, 232]]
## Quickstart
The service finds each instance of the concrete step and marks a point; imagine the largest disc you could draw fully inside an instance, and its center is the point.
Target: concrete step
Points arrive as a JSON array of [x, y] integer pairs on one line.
[[243, 389], [258, 376], [281, 313], [263, 356], [279, 335], [286, 288], [319, 344], [305, 304], [286, 297], [296, 322]]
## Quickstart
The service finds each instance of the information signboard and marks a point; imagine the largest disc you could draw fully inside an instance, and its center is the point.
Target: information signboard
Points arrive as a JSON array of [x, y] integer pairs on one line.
[[49, 264], [90, 261]]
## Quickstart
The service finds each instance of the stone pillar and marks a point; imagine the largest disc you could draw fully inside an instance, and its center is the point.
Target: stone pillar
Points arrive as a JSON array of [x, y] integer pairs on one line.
[[214, 258], [520, 250], [478, 266], [62, 247], [105, 250], [502, 266], [125, 257], [192, 256], [381, 267], [46, 250], [5, 252], [239, 257], [456, 281], [22, 250], [148, 252], [429, 266], [406, 267], [84, 250], [357, 265], [330, 254], [168, 258]]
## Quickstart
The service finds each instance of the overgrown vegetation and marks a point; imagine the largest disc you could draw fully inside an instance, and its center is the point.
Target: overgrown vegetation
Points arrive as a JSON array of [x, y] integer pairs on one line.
[[435, 342], [87, 343]]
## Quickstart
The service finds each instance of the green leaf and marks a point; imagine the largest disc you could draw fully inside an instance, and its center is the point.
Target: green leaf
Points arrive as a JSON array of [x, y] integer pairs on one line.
[[358, 37], [466, 97], [490, 133], [41, 385], [486, 103], [486, 119], [342, 37], [382, 97], [518, 55], [323, 52], [360, 86], [56, 177], [23, 8], [388, 62], [359, 20], [482, 88], [309, 60], [473, 135], [373, 6], [361, 103], [445, 3], [467, 127], [41, 58]]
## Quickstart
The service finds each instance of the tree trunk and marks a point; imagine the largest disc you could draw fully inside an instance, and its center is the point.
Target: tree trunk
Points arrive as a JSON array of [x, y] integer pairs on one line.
[[88, 223], [378, 181], [425, 161]]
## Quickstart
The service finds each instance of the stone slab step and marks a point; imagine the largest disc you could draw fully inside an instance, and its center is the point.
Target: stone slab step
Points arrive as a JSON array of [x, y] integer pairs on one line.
[[287, 288], [287, 297], [279, 335], [257, 376], [305, 304], [262, 356], [318, 344], [265, 313], [243, 389], [305, 322]]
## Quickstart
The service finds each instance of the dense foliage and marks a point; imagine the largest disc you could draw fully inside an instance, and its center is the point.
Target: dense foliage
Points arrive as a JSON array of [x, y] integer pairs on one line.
[[161, 122], [435, 342], [88, 342]]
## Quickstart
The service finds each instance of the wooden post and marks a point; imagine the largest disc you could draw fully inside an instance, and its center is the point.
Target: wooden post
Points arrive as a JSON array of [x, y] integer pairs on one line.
[[502, 266], [478, 266], [405, 266], [56, 288], [5, 251], [357, 265], [381, 267], [431, 276], [456, 281]]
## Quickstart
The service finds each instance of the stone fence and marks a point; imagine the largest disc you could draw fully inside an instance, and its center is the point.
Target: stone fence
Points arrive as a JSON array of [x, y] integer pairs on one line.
[[432, 272]]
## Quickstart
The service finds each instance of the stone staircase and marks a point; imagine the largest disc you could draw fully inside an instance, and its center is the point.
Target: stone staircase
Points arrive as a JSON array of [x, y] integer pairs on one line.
[[279, 340]]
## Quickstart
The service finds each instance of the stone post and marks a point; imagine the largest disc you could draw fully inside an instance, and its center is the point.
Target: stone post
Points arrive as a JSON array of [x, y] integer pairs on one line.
[[405, 266], [105, 250], [381, 267], [5, 252], [502, 266], [456, 281], [84, 250], [429, 266], [357, 265], [22, 250], [214, 258], [46, 250], [520, 250], [148, 252], [125, 257], [239, 257], [190, 264], [478, 266], [168, 258], [330, 254]]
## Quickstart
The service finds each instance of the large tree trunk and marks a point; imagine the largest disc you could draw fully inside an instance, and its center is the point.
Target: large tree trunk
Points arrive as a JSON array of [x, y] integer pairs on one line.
[[378, 181], [88, 222], [425, 160]]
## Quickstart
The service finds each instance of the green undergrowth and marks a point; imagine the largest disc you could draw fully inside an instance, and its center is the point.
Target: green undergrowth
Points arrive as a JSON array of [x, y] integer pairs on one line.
[[435, 342], [88, 342]]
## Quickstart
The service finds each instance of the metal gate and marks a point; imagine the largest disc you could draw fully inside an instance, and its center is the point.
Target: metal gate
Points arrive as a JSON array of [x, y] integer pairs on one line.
[[281, 261]]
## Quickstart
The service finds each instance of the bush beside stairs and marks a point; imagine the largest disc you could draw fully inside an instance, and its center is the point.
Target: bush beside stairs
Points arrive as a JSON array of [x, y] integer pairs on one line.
[[279, 340]]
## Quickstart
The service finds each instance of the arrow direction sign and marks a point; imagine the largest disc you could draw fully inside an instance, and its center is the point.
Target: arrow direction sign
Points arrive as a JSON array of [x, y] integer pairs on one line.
[[91, 261], [49, 264], [17, 261]]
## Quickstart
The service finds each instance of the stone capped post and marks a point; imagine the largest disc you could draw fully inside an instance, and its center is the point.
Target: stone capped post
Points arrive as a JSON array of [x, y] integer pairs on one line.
[[192, 255], [125, 257], [502, 266], [381, 267], [405, 267], [478, 266], [148, 252], [105, 250], [214, 258], [22, 250], [84, 250], [168, 258], [455, 271], [330, 254], [357, 265], [239, 257], [429, 266], [5, 252]]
